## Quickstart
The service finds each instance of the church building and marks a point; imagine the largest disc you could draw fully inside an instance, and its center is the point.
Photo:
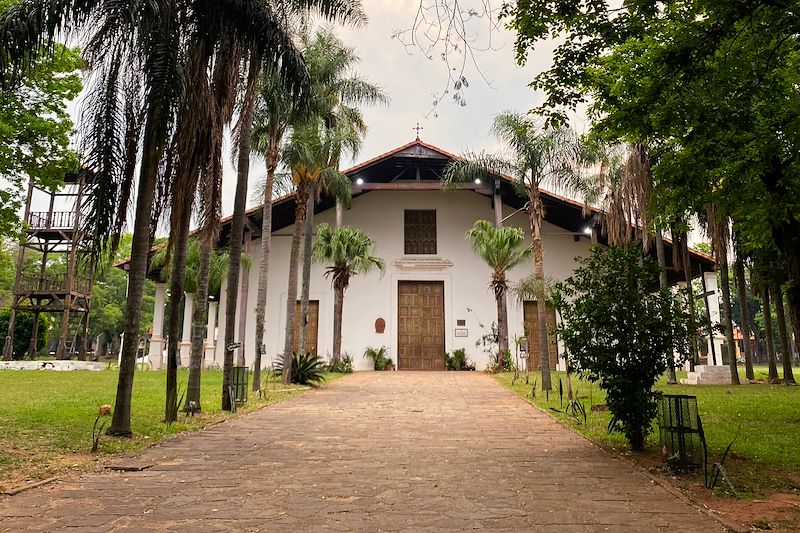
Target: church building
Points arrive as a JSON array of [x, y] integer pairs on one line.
[[434, 295]]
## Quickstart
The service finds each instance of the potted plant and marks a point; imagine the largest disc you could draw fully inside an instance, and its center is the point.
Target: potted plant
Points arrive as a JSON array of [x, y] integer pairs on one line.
[[378, 357]]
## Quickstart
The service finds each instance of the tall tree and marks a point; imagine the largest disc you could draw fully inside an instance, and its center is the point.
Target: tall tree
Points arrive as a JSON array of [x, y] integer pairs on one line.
[[274, 112], [310, 154], [346, 252], [139, 41], [786, 347], [538, 155], [744, 310], [336, 94], [35, 127], [501, 249]]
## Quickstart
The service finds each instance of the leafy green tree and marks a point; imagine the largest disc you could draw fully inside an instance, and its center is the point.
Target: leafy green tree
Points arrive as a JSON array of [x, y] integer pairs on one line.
[[502, 249], [621, 330], [23, 327], [538, 155], [346, 252], [711, 86], [35, 128]]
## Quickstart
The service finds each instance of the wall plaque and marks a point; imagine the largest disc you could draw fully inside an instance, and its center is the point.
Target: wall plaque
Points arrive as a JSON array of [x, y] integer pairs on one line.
[[462, 332], [380, 325]]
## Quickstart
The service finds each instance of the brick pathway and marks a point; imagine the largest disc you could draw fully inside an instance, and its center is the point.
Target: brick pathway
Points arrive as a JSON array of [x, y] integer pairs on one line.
[[372, 451]]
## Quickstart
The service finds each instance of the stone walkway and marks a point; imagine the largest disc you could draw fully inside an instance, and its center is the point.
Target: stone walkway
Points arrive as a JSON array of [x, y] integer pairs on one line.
[[375, 451]]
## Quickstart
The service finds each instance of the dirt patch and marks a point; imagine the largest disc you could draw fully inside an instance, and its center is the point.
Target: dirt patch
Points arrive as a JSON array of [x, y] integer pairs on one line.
[[778, 512], [21, 467]]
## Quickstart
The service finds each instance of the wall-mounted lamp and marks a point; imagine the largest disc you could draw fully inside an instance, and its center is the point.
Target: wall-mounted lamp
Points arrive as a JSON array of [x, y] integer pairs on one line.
[[359, 181], [477, 181]]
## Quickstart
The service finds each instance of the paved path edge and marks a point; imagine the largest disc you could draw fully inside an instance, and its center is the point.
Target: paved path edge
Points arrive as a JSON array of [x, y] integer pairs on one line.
[[728, 524]]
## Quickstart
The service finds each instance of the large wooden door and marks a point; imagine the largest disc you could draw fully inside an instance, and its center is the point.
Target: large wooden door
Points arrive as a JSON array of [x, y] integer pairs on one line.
[[311, 329], [530, 312], [420, 325]]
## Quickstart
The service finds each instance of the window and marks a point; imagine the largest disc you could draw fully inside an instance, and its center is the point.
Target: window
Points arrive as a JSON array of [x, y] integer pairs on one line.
[[420, 231]]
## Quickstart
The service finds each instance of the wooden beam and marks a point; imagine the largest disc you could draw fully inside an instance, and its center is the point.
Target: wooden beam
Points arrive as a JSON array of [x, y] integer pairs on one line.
[[420, 186]]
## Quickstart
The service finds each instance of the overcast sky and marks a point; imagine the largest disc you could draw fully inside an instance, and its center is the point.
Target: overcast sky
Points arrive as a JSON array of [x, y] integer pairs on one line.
[[410, 80]]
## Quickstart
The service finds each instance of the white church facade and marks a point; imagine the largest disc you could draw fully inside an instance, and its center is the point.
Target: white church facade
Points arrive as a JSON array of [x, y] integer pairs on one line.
[[433, 297]]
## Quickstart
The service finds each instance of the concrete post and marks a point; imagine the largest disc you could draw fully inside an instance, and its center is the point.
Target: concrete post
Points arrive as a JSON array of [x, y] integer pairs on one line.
[[155, 355], [712, 296], [186, 339], [219, 349], [208, 355]]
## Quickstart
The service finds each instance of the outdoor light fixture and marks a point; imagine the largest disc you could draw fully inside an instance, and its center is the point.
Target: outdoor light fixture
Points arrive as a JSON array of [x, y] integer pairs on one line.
[[588, 231], [477, 181], [359, 181]]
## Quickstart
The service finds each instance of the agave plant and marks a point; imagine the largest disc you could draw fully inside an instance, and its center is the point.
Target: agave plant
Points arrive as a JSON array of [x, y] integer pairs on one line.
[[307, 369]]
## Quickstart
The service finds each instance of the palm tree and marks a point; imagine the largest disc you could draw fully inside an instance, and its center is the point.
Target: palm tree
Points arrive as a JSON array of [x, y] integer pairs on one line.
[[537, 155], [346, 251], [273, 113], [310, 153], [335, 94], [143, 40], [203, 275], [502, 249]]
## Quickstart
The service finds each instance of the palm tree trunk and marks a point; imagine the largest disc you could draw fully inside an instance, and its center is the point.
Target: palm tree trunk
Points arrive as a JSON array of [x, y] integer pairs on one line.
[[263, 267], [502, 329], [306, 282], [727, 323], [741, 289], [175, 309], [536, 215], [786, 351], [199, 326], [338, 309], [237, 229], [767, 310], [291, 291], [140, 248], [662, 282]]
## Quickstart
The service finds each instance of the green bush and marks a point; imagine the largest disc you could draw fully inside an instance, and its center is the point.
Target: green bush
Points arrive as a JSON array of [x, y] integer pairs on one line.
[[343, 366], [307, 369], [379, 358], [23, 326], [620, 331], [457, 360]]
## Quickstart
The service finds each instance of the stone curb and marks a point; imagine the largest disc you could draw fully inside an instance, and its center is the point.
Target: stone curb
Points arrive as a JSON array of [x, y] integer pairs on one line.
[[727, 524]]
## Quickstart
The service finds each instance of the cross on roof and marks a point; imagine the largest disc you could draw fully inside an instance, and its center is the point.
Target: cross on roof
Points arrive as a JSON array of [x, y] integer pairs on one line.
[[418, 128]]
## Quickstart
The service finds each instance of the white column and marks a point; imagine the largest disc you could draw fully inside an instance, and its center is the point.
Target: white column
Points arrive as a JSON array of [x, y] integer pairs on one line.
[[156, 354], [210, 327], [219, 349], [713, 309], [186, 339]]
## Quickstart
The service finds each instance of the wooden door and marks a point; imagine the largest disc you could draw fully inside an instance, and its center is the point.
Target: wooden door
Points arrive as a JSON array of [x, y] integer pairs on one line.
[[530, 312], [420, 325], [311, 329]]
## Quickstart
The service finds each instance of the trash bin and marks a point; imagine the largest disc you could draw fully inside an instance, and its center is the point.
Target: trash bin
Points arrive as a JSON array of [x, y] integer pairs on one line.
[[683, 444], [240, 377]]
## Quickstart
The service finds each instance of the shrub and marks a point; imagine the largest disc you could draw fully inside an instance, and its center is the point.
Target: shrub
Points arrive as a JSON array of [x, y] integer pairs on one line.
[[457, 360], [343, 366], [307, 369], [378, 357], [620, 331]]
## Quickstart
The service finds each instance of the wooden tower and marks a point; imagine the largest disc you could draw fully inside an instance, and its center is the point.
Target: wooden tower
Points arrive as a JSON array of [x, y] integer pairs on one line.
[[61, 282]]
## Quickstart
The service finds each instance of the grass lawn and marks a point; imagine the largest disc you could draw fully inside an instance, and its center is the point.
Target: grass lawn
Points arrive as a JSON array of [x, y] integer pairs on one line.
[[765, 456], [46, 418]]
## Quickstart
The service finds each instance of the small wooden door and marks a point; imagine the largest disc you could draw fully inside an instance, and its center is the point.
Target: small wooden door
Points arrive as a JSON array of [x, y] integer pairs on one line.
[[420, 325], [530, 312], [311, 329]]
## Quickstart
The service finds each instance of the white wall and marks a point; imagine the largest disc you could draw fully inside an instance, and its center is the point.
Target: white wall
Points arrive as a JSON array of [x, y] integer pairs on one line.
[[380, 214]]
